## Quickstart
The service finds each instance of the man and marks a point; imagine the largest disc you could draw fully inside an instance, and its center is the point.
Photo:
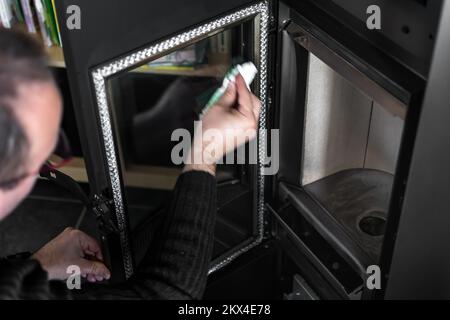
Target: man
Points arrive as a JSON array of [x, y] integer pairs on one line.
[[176, 265]]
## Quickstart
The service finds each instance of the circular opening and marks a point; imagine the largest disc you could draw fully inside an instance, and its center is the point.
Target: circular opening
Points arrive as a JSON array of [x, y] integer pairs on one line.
[[373, 226], [406, 29]]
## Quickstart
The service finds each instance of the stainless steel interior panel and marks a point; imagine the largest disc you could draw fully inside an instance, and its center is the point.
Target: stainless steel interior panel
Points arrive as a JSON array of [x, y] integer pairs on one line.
[[337, 123], [344, 128], [384, 140], [358, 199]]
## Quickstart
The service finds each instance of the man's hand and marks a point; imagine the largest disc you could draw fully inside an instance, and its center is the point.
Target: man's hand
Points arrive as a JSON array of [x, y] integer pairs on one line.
[[72, 247], [234, 117]]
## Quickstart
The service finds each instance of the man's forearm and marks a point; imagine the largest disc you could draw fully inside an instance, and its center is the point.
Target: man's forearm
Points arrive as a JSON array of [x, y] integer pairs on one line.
[[180, 258], [177, 264], [209, 168]]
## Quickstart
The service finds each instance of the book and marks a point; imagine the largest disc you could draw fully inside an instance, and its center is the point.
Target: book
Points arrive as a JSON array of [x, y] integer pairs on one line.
[[28, 15], [50, 22], [56, 22], [168, 68], [5, 14], [183, 59], [40, 12], [17, 11]]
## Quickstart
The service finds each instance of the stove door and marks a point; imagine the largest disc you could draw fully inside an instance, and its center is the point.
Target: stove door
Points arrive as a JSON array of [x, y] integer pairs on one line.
[[141, 71]]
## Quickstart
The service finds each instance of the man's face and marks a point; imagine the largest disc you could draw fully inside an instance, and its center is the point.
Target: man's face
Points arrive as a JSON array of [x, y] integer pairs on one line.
[[38, 107]]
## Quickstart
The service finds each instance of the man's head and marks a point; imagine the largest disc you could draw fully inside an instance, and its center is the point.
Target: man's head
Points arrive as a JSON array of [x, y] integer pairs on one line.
[[30, 115]]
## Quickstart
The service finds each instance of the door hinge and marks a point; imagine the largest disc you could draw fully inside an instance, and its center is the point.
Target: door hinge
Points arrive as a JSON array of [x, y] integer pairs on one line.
[[99, 204], [102, 208], [283, 25], [272, 25]]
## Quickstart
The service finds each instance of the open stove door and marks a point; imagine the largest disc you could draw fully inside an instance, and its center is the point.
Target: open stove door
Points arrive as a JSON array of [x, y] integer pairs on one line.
[[139, 70]]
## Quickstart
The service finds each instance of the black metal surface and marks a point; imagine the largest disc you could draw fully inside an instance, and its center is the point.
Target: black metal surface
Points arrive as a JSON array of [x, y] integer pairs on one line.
[[289, 229], [251, 276], [408, 27], [328, 227], [375, 64], [420, 266], [301, 290], [69, 124], [358, 199], [355, 69], [291, 97]]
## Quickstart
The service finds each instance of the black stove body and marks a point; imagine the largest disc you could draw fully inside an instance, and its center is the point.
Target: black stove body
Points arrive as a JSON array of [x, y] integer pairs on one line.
[[360, 115]]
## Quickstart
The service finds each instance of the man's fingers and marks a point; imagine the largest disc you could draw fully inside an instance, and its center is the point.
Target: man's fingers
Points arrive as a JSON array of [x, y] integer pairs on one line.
[[94, 270], [91, 278], [228, 99], [89, 245]]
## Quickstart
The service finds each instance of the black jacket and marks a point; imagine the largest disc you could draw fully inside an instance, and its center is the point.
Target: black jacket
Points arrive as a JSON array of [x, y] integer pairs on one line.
[[175, 266]]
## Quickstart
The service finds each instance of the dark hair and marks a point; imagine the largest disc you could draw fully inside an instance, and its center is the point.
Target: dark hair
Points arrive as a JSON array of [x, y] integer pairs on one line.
[[22, 60]]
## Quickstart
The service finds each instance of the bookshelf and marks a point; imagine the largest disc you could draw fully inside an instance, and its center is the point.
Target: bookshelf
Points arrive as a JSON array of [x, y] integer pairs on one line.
[[55, 57], [211, 70]]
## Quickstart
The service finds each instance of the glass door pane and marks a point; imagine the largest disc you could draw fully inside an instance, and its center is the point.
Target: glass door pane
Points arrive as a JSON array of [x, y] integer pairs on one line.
[[144, 97]]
